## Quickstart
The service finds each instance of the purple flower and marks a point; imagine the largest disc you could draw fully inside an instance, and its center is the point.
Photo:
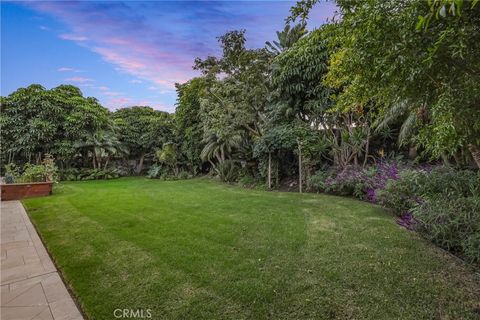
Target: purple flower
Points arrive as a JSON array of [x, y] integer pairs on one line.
[[407, 220], [371, 196]]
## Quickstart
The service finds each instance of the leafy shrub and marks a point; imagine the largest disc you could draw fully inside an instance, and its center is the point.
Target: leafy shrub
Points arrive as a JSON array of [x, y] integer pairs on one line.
[[98, 174], [441, 203], [471, 248], [183, 175], [154, 171], [227, 171], [415, 186], [377, 178], [247, 181], [50, 169], [109, 174], [451, 223], [87, 174], [317, 180], [348, 182], [68, 174], [9, 179], [362, 183], [450, 182], [123, 170], [401, 195], [167, 177], [46, 171], [33, 173], [12, 173]]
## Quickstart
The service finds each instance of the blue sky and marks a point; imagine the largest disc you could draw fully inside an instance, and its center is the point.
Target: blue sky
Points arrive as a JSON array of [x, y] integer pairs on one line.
[[127, 53]]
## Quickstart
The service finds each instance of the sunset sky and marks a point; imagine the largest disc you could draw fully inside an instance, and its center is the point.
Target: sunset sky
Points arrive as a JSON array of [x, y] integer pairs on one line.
[[127, 53]]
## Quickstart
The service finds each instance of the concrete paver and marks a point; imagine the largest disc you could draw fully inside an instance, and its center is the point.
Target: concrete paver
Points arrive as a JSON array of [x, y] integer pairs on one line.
[[31, 288]]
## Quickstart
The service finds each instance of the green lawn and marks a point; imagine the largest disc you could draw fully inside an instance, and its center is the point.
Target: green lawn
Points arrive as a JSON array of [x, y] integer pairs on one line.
[[197, 249]]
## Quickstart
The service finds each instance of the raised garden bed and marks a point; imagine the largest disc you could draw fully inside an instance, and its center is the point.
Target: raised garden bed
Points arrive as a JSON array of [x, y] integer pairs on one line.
[[17, 191]]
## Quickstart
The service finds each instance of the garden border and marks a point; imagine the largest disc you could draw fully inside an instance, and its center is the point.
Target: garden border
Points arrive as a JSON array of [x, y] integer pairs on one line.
[[18, 191]]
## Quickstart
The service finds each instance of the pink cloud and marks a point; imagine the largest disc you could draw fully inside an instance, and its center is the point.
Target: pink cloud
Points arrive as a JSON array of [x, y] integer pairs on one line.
[[79, 79], [111, 93], [67, 69], [117, 41], [116, 102], [163, 107], [73, 37], [144, 103], [129, 64], [144, 51]]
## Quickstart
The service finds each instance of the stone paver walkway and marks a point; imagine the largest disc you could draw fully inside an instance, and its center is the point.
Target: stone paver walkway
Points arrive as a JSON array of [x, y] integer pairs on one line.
[[31, 286]]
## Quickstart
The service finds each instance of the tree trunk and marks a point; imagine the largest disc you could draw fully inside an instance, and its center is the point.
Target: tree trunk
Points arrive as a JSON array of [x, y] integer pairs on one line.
[[140, 164], [308, 169], [457, 159], [412, 152], [300, 167], [269, 170], [106, 163], [367, 148], [475, 151], [277, 174], [212, 164], [175, 169], [99, 162], [445, 159]]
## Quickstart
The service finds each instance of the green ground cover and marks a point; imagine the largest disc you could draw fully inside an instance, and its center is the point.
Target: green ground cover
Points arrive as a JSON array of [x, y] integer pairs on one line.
[[197, 249]]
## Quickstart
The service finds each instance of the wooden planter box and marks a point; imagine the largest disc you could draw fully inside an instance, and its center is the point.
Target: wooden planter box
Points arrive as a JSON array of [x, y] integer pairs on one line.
[[16, 191]]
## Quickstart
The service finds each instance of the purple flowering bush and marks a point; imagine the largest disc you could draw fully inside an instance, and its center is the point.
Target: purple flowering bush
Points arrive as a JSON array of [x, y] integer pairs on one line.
[[452, 224], [441, 203], [407, 220], [362, 183], [414, 186], [317, 181], [348, 182], [403, 193]]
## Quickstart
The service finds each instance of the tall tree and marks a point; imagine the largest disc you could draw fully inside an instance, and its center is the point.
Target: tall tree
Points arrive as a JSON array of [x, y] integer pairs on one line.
[[425, 73], [235, 100], [286, 38], [142, 130], [188, 124], [36, 121]]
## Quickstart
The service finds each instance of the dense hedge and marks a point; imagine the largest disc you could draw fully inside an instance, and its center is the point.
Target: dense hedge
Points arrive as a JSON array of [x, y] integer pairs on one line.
[[87, 174]]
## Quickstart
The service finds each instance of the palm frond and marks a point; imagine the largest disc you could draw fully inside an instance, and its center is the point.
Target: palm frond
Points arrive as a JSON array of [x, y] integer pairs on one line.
[[407, 129]]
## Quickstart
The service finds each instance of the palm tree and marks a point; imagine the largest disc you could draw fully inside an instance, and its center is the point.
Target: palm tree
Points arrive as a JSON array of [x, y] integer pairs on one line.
[[220, 147], [168, 156], [102, 145], [408, 113], [286, 38], [410, 116]]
